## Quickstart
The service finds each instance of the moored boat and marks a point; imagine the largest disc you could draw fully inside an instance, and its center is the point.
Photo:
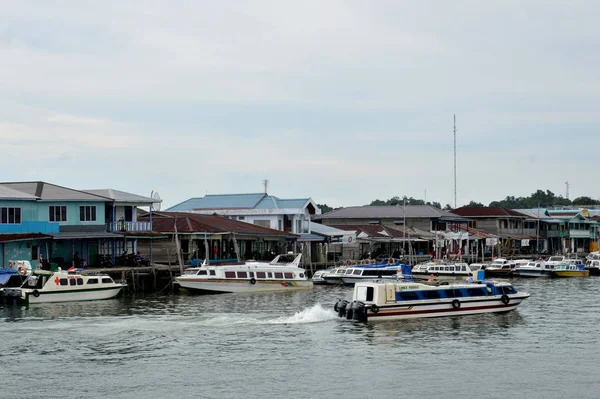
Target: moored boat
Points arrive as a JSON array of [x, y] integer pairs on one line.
[[442, 271], [356, 274], [500, 267], [374, 301], [570, 270], [335, 275], [281, 274], [593, 266], [318, 277], [537, 268], [44, 286]]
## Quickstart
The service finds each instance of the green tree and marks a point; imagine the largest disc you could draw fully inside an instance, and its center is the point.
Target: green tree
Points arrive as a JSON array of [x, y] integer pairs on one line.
[[585, 201], [474, 204]]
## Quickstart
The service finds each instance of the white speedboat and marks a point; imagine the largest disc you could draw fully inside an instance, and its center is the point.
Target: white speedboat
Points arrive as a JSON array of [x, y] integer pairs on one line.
[[536, 268], [44, 286], [442, 271], [373, 301], [282, 274], [318, 277], [500, 267], [356, 274], [335, 275]]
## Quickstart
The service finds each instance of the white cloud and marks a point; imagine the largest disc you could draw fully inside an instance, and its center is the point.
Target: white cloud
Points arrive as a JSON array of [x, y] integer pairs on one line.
[[345, 101]]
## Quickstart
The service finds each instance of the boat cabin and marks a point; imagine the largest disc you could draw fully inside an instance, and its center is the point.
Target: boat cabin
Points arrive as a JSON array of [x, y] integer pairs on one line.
[[392, 292]]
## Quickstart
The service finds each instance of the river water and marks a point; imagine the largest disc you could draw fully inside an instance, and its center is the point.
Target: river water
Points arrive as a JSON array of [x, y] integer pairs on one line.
[[292, 345]]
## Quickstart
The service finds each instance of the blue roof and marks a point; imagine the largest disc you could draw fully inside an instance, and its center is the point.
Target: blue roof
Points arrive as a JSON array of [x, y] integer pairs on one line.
[[220, 201], [238, 201]]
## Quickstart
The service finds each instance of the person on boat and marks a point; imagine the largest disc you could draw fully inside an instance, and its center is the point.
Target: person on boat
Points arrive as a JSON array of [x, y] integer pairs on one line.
[[430, 279], [216, 252], [469, 279]]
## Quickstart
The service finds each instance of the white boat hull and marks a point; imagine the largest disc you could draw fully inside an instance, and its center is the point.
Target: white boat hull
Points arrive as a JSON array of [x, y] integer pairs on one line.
[[47, 297], [239, 286], [467, 307], [533, 273]]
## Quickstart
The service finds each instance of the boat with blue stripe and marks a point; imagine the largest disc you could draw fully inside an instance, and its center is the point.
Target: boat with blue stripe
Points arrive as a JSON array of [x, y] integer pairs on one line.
[[395, 300], [358, 273], [534, 269]]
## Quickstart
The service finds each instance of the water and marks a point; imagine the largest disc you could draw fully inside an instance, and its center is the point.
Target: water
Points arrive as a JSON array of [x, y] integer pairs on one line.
[[292, 345]]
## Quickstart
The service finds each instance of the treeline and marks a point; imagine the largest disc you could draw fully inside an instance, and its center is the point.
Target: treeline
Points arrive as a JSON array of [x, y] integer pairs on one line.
[[540, 198]]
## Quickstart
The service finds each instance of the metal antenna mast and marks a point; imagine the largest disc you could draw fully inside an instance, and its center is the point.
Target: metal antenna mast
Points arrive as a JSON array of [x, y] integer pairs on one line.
[[266, 184], [567, 184], [455, 161]]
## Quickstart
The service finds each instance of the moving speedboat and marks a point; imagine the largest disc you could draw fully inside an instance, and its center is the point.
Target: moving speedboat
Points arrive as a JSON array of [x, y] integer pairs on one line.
[[373, 301]]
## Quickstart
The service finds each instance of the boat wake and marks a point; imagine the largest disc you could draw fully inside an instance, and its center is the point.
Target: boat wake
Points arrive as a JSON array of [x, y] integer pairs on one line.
[[315, 314]]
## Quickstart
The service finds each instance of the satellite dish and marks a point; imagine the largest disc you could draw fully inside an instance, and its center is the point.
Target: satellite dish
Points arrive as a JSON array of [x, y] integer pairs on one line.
[[157, 201]]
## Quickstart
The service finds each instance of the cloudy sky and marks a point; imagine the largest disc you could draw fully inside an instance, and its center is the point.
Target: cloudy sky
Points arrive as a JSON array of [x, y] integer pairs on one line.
[[343, 101]]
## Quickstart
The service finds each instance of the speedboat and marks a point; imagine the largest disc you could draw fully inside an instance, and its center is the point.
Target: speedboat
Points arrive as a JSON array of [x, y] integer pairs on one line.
[[44, 286], [318, 277], [593, 265], [373, 301], [281, 274], [442, 271], [536, 268], [500, 267], [335, 275], [373, 272], [570, 270]]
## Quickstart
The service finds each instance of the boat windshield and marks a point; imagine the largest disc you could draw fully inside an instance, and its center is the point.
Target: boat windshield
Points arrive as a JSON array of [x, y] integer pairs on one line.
[[555, 258]]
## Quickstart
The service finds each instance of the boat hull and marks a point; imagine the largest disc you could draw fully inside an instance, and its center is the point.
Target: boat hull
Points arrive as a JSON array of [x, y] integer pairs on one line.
[[570, 273], [498, 273], [28, 297], [240, 286], [594, 271], [471, 306], [440, 276], [533, 273]]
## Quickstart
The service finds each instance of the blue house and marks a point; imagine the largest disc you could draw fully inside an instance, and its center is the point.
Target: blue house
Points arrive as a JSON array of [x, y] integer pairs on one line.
[[43, 220]]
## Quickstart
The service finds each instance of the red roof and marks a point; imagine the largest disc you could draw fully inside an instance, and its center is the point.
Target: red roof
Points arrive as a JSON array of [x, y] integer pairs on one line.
[[487, 211], [165, 222]]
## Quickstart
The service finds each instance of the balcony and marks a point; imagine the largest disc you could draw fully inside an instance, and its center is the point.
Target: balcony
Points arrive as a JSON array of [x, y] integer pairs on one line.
[[114, 227]]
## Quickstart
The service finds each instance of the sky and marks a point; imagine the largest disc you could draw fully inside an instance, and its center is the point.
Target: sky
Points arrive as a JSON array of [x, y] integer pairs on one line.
[[341, 101]]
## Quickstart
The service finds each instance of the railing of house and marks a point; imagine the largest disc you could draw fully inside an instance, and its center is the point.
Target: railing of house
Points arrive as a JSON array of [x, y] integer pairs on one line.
[[128, 226]]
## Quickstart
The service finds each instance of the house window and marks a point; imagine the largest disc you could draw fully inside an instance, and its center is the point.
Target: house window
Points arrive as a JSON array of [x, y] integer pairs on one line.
[[263, 223], [10, 215], [57, 213], [87, 213], [241, 217], [473, 224], [35, 253], [129, 214]]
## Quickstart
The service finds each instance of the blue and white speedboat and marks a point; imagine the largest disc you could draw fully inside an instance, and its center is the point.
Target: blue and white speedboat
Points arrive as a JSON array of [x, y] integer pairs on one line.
[[372, 272], [534, 269], [381, 300]]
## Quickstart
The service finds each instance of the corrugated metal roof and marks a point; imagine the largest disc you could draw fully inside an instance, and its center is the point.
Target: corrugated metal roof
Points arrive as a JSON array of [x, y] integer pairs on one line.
[[51, 192], [487, 211], [535, 213], [367, 211], [122, 196], [22, 237], [165, 222], [238, 201], [8, 193], [328, 230], [221, 201], [375, 231]]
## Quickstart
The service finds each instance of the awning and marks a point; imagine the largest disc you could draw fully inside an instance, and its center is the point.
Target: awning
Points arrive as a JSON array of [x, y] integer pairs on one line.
[[310, 237], [77, 235], [23, 237]]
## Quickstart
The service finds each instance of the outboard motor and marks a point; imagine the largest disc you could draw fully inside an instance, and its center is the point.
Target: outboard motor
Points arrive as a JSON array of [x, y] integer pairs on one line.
[[340, 307], [359, 312]]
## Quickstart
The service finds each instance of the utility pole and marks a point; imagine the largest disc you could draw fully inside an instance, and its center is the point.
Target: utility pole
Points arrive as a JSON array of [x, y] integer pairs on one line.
[[567, 184], [454, 161]]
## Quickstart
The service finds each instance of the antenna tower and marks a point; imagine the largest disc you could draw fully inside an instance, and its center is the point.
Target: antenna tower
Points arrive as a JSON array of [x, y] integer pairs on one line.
[[266, 184], [567, 184], [455, 161]]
